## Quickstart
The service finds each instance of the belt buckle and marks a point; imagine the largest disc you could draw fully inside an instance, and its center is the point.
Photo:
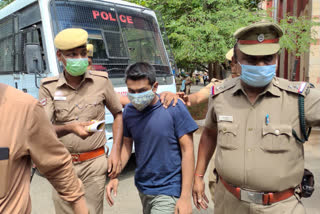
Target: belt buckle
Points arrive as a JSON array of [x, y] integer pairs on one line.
[[75, 158], [251, 197]]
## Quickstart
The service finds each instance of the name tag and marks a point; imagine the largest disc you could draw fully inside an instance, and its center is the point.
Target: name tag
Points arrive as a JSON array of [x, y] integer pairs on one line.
[[225, 118], [60, 98]]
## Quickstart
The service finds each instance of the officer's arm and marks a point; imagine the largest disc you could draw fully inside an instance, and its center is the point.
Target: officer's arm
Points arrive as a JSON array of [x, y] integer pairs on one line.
[[80, 206], [46, 100], [52, 158], [312, 107], [78, 128], [196, 98]]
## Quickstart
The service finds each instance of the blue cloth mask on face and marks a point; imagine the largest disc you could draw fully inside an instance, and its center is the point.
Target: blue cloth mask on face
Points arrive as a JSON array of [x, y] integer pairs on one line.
[[141, 100], [257, 76]]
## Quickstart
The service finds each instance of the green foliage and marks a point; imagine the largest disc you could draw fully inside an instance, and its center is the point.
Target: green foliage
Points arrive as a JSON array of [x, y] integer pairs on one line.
[[201, 31], [4, 3], [298, 34]]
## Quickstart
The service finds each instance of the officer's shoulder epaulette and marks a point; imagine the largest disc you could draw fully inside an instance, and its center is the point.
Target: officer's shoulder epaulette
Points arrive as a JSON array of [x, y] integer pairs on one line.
[[99, 73], [49, 79], [216, 81], [302, 88], [223, 86]]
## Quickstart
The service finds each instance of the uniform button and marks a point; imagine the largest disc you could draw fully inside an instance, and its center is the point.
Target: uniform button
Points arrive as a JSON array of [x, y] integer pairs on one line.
[[76, 92], [250, 129], [224, 129], [77, 118], [277, 132], [249, 150]]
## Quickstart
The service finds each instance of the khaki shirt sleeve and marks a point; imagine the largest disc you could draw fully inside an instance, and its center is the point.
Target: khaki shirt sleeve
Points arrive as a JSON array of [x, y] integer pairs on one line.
[[211, 119], [312, 107], [46, 101], [206, 90], [51, 157], [112, 99]]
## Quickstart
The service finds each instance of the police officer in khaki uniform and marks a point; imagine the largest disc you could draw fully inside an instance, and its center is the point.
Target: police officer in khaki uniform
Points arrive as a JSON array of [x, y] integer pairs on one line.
[[178, 82], [72, 99], [90, 55], [27, 134], [188, 84], [250, 122]]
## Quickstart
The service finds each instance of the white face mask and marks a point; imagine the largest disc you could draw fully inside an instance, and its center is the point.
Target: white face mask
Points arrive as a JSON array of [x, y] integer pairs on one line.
[[141, 100], [257, 76]]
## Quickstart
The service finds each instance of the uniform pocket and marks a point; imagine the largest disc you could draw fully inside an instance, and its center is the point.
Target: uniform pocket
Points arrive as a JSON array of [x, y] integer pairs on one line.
[[93, 107], [61, 110], [227, 135], [4, 171], [276, 138]]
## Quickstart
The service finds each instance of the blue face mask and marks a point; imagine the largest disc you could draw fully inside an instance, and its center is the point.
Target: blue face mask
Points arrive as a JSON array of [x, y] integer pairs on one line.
[[257, 76], [141, 100]]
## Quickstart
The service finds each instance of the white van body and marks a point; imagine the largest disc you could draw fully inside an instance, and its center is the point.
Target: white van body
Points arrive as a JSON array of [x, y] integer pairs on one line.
[[121, 32]]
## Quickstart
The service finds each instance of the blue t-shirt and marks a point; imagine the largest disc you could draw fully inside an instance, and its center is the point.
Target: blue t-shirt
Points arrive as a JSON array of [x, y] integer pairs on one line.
[[156, 132]]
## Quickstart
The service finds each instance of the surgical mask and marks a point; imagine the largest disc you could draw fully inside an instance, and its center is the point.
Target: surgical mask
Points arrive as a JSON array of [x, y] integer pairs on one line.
[[257, 76], [76, 67], [141, 100]]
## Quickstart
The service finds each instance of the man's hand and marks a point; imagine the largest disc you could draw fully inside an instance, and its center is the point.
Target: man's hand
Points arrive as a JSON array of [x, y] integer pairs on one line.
[[114, 163], [185, 98], [200, 199], [167, 97], [112, 186], [79, 128], [183, 206]]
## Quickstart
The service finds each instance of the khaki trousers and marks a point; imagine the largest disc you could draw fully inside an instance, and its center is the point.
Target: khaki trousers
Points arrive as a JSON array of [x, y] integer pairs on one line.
[[158, 204], [92, 173], [226, 203], [188, 89]]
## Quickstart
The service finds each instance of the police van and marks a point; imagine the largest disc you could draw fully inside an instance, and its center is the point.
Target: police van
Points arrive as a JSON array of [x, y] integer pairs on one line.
[[121, 33]]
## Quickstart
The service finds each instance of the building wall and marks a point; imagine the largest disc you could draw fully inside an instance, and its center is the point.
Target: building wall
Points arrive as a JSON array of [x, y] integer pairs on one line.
[[309, 63], [314, 63]]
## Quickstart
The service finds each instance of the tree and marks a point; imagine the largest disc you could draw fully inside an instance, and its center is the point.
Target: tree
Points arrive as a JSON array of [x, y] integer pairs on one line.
[[4, 3], [200, 31], [298, 36]]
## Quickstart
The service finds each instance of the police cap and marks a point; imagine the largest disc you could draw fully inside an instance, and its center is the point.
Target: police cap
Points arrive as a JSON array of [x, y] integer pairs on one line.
[[229, 55], [259, 39], [70, 38], [90, 50]]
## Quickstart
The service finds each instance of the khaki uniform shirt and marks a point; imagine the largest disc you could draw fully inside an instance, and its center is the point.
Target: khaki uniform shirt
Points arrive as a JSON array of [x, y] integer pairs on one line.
[[65, 104], [27, 132], [252, 153], [178, 80]]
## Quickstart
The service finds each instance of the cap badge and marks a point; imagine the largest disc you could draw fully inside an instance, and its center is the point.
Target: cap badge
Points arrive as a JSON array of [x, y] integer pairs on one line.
[[260, 38]]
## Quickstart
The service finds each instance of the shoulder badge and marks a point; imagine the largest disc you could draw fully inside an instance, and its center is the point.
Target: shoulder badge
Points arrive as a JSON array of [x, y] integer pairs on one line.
[[223, 86], [43, 102], [99, 73], [49, 79], [302, 88]]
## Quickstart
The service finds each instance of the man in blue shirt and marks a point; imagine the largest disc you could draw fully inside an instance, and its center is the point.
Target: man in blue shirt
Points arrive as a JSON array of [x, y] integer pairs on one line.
[[163, 146]]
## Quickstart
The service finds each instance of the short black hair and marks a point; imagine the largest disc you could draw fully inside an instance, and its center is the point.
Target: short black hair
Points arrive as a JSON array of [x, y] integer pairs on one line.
[[141, 70]]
